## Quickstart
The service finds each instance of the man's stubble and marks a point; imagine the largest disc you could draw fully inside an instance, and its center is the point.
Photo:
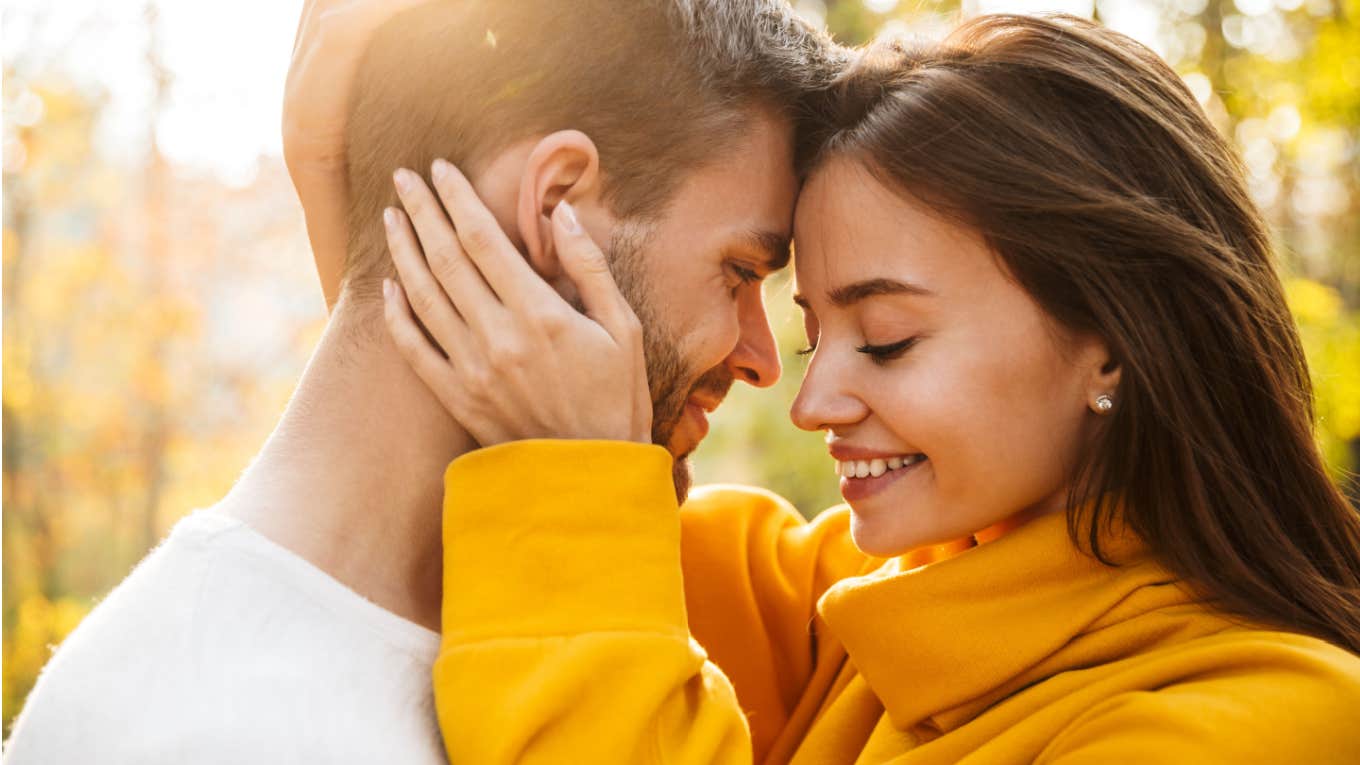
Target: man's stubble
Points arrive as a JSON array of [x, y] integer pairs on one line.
[[669, 378]]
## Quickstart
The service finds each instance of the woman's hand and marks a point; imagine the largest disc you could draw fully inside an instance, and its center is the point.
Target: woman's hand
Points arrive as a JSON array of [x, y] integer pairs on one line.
[[521, 363], [331, 38]]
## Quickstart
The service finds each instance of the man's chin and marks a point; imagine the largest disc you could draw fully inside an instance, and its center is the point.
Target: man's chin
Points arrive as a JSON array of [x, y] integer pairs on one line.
[[682, 440], [682, 474]]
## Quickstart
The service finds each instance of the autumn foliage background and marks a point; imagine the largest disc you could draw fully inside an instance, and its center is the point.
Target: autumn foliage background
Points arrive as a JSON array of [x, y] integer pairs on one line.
[[157, 316]]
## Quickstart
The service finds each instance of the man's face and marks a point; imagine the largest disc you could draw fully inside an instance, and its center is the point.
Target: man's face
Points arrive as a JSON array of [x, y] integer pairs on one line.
[[694, 278]]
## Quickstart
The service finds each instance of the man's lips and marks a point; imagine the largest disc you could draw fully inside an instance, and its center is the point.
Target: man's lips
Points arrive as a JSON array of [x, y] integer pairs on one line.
[[698, 414], [704, 403], [696, 417], [699, 407]]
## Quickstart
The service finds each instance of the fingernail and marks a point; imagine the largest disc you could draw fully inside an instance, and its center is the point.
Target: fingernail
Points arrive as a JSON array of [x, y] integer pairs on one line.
[[402, 178], [569, 221], [387, 288], [440, 168], [390, 217]]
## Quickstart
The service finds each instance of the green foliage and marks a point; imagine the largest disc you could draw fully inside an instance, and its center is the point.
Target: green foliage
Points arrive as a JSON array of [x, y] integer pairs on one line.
[[1330, 76], [1331, 339]]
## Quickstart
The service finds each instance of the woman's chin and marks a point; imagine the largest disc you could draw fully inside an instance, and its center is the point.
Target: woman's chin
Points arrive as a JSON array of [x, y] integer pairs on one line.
[[887, 532], [882, 537]]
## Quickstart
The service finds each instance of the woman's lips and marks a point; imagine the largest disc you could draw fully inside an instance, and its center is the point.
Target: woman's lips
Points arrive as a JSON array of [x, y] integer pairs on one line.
[[855, 489]]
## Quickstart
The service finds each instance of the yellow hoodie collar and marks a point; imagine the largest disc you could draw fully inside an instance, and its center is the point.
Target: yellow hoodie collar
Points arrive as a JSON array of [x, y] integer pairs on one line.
[[940, 643]]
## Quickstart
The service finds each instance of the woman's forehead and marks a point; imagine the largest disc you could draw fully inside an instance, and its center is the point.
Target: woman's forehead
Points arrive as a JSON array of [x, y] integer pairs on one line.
[[852, 228]]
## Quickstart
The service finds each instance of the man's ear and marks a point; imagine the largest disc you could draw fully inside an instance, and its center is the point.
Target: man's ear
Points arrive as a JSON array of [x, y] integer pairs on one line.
[[563, 165]]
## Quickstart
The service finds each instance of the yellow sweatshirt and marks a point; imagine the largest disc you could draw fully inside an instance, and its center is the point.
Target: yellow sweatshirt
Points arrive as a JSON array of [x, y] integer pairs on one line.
[[587, 619]]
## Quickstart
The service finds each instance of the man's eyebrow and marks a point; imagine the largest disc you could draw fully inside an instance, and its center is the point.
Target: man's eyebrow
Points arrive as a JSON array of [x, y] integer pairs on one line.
[[775, 247], [849, 294]]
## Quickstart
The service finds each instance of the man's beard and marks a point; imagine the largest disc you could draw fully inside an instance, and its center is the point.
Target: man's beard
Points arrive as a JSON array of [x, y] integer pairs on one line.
[[668, 376]]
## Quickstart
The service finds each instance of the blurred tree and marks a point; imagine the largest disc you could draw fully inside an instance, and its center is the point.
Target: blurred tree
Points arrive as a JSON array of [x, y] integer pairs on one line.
[[38, 282], [154, 325]]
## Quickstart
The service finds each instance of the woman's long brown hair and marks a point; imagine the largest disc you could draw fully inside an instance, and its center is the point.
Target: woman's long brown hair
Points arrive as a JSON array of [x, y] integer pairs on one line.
[[1109, 196]]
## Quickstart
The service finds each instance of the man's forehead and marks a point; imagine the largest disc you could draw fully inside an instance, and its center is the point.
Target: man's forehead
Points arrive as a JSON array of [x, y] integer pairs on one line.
[[742, 203], [752, 220], [755, 175]]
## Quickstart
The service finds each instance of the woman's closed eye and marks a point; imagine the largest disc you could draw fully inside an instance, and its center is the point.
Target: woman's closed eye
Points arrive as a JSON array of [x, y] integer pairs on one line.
[[879, 353], [882, 354]]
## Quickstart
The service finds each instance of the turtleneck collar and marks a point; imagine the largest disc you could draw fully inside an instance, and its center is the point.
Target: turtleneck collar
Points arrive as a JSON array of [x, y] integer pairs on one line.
[[940, 643]]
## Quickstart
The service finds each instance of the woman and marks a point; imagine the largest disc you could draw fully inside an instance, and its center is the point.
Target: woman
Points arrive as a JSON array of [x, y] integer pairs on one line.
[[1067, 404]]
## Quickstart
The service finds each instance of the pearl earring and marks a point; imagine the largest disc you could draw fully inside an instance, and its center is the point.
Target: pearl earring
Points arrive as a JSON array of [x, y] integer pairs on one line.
[[1104, 403]]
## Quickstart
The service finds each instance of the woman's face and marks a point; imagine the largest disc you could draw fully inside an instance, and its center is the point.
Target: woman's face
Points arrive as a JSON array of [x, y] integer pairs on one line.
[[928, 356]]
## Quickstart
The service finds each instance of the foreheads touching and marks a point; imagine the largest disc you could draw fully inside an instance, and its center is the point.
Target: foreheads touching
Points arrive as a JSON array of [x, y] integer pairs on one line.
[[657, 87]]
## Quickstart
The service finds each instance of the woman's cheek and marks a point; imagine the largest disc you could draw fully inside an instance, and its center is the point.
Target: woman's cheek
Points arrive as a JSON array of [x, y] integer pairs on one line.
[[937, 412]]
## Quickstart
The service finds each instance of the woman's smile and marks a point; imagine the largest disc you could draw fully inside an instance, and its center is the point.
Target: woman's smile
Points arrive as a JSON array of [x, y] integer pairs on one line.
[[866, 471], [874, 476]]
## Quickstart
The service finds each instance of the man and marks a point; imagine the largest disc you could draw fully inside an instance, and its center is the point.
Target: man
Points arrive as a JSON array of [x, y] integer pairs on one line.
[[295, 621]]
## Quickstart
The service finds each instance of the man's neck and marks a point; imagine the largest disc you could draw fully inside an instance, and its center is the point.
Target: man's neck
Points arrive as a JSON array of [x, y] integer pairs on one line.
[[352, 477]]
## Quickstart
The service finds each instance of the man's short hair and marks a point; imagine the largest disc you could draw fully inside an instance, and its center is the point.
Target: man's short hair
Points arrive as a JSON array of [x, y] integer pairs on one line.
[[661, 86]]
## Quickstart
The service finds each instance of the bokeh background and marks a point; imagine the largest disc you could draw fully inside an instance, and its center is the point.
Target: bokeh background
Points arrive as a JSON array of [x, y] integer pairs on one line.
[[159, 300]]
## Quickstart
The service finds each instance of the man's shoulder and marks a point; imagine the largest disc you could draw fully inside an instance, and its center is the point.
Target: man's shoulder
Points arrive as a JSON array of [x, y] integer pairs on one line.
[[145, 609], [218, 597], [220, 639], [112, 664]]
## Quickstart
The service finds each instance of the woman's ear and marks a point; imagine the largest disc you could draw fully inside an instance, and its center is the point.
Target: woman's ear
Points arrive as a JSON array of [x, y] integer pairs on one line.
[[563, 165], [1102, 390]]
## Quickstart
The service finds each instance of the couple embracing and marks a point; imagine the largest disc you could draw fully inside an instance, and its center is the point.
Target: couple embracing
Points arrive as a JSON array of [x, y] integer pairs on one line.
[[1065, 401]]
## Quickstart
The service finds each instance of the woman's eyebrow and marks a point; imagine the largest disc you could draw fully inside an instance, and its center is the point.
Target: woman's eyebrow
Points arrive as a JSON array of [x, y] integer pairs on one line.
[[849, 294]]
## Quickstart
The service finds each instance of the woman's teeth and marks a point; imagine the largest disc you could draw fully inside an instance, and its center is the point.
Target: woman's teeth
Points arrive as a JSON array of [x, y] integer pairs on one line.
[[875, 468]]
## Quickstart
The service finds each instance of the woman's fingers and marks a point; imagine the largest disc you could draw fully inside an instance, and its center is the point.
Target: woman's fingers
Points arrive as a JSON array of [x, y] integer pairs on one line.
[[428, 299], [589, 270], [431, 366], [504, 267], [448, 261], [520, 375], [444, 379], [583, 261]]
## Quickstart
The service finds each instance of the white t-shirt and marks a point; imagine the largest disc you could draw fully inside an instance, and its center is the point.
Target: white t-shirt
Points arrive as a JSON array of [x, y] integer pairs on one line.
[[223, 647]]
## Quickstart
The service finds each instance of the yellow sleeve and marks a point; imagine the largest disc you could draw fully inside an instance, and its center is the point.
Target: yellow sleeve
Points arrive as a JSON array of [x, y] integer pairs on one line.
[[565, 636], [754, 569]]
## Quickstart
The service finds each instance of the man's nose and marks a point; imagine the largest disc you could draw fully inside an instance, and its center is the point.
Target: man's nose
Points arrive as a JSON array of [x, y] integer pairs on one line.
[[755, 360]]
